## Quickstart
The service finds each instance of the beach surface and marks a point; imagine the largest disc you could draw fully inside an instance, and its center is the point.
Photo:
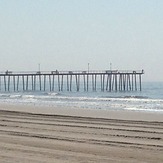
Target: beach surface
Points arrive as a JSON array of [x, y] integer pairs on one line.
[[68, 135]]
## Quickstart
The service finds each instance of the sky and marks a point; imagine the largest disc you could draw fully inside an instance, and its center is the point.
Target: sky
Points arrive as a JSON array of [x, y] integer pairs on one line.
[[69, 34]]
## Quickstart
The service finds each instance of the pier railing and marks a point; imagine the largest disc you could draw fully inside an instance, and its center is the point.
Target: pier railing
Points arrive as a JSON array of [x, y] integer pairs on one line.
[[71, 72]]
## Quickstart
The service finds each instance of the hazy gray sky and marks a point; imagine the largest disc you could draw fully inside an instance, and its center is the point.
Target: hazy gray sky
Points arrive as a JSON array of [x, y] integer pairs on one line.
[[69, 34]]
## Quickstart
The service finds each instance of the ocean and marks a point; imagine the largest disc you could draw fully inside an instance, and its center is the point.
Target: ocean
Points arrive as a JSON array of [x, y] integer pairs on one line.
[[150, 99]]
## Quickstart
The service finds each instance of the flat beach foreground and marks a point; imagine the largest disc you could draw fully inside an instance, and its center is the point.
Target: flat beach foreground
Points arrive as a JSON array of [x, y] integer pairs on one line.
[[40, 134]]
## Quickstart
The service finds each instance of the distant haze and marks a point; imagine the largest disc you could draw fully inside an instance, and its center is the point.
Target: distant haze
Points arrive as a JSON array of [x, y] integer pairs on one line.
[[69, 34]]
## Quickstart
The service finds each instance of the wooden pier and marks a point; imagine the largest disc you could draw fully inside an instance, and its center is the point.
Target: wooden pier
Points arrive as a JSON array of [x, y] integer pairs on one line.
[[107, 80]]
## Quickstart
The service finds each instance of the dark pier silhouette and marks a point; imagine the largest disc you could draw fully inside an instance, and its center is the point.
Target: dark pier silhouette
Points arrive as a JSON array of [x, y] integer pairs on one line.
[[107, 80]]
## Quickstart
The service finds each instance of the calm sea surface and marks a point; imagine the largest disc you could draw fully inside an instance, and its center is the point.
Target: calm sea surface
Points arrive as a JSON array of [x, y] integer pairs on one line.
[[150, 99]]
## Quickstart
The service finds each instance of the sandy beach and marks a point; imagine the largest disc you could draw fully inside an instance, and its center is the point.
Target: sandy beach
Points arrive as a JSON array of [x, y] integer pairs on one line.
[[61, 135]]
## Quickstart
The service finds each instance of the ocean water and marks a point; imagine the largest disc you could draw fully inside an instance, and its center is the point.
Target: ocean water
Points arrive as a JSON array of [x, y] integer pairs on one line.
[[150, 99]]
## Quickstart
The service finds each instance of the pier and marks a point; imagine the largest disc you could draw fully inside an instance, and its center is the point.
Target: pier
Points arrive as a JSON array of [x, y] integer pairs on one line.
[[106, 80]]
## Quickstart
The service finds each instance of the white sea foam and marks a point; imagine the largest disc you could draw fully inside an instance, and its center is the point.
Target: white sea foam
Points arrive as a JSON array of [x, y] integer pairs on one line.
[[147, 100], [144, 109]]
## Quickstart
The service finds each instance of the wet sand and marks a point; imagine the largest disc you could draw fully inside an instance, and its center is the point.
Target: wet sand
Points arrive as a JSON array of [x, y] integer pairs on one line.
[[39, 135]]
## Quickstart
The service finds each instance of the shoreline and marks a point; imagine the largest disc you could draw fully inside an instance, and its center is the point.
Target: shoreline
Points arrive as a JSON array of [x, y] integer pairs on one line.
[[85, 112]]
